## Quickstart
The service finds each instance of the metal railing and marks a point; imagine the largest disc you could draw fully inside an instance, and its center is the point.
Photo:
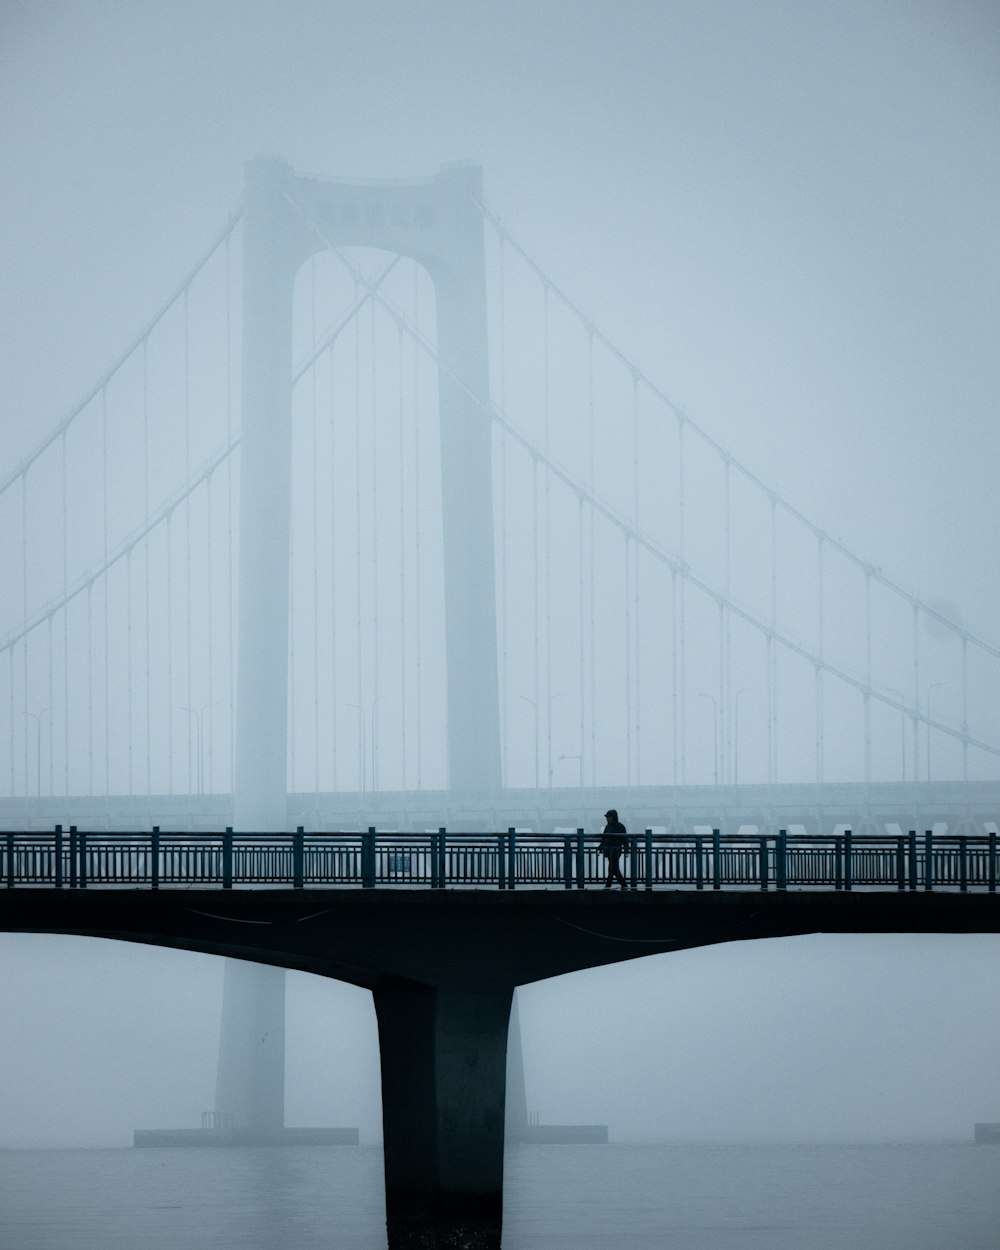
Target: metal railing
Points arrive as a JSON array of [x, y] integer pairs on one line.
[[77, 859]]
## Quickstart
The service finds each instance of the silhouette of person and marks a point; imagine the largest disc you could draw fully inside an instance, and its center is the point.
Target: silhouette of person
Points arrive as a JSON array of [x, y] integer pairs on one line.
[[613, 842]]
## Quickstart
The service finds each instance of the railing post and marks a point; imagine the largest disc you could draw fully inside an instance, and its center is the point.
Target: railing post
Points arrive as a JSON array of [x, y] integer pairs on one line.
[[581, 863], [511, 857], [442, 860], [900, 864], [763, 862], [10, 861], [848, 866], [299, 858], [632, 846], [227, 858], [368, 859], [59, 857], [993, 864], [154, 852], [838, 861], [567, 864], [699, 863], [928, 859], [81, 848], [501, 861], [73, 865], [913, 858], [649, 859], [963, 864], [716, 859], [782, 864]]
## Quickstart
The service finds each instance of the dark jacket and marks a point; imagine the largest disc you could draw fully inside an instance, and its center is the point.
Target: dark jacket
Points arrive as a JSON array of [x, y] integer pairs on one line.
[[614, 840]]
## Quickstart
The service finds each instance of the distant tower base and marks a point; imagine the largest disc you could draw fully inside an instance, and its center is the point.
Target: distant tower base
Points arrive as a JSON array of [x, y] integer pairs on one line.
[[250, 1082], [520, 1126]]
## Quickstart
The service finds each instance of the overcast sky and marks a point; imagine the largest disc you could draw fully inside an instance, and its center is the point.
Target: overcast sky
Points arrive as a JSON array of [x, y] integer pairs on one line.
[[786, 213]]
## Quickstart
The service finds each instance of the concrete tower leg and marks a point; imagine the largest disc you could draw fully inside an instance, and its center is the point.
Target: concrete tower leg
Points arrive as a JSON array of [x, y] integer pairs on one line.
[[467, 491], [443, 1053], [250, 1085], [269, 263]]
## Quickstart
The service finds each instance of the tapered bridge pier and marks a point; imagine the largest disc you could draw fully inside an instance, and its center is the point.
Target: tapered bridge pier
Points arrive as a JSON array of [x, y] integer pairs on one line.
[[442, 965]]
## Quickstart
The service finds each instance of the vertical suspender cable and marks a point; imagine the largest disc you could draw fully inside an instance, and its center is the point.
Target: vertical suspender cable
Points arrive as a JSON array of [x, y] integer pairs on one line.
[[48, 623], [400, 382], [965, 707], [187, 535], [24, 617], [628, 659], [580, 633], [210, 625], [65, 612], [547, 427], [10, 667], [772, 768], [916, 692], [674, 708], [107, 613], [292, 626], [535, 608], [868, 677], [593, 580], [128, 659], [502, 436], [229, 523], [315, 535], [333, 570], [146, 552], [820, 715], [359, 654], [90, 689], [170, 654], [726, 686], [417, 578], [636, 617], [681, 676], [375, 576]]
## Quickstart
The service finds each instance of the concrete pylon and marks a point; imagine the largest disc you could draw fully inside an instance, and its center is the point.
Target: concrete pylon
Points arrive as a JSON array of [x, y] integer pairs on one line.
[[437, 222], [250, 1082]]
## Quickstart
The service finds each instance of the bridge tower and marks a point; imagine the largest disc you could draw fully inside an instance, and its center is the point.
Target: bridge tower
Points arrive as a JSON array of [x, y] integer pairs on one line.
[[438, 222]]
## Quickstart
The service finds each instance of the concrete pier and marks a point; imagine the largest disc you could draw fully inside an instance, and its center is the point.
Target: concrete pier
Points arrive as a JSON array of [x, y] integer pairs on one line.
[[442, 965]]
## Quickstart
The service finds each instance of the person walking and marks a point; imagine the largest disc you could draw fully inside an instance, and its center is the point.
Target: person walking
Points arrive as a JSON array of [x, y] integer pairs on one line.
[[613, 842]]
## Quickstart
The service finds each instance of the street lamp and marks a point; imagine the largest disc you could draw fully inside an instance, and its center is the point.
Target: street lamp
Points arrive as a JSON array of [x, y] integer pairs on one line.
[[579, 759], [736, 736], [715, 735]]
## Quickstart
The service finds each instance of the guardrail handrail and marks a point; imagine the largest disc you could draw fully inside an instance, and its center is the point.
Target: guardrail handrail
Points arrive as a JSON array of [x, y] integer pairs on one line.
[[505, 860]]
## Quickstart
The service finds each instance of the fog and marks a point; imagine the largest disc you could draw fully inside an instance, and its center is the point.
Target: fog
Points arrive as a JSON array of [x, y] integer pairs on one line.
[[786, 215]]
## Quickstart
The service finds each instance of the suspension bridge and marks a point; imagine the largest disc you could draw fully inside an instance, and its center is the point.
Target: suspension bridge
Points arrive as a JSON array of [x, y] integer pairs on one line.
[[372, 528], [372, 478]]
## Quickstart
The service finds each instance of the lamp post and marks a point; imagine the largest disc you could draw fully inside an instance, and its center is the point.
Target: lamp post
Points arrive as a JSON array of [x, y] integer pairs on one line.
[[715, 735], [736, 736], [579, 760]]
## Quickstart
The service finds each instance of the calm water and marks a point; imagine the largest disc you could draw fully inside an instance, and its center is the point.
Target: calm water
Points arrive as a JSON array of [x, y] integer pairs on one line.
[[619, 1197]]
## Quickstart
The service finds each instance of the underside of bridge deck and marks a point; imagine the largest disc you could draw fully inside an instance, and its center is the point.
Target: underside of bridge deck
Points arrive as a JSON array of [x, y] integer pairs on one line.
[[442, 966]]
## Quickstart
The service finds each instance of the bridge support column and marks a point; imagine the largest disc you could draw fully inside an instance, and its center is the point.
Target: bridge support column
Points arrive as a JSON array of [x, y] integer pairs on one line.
[[443, 1054]]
